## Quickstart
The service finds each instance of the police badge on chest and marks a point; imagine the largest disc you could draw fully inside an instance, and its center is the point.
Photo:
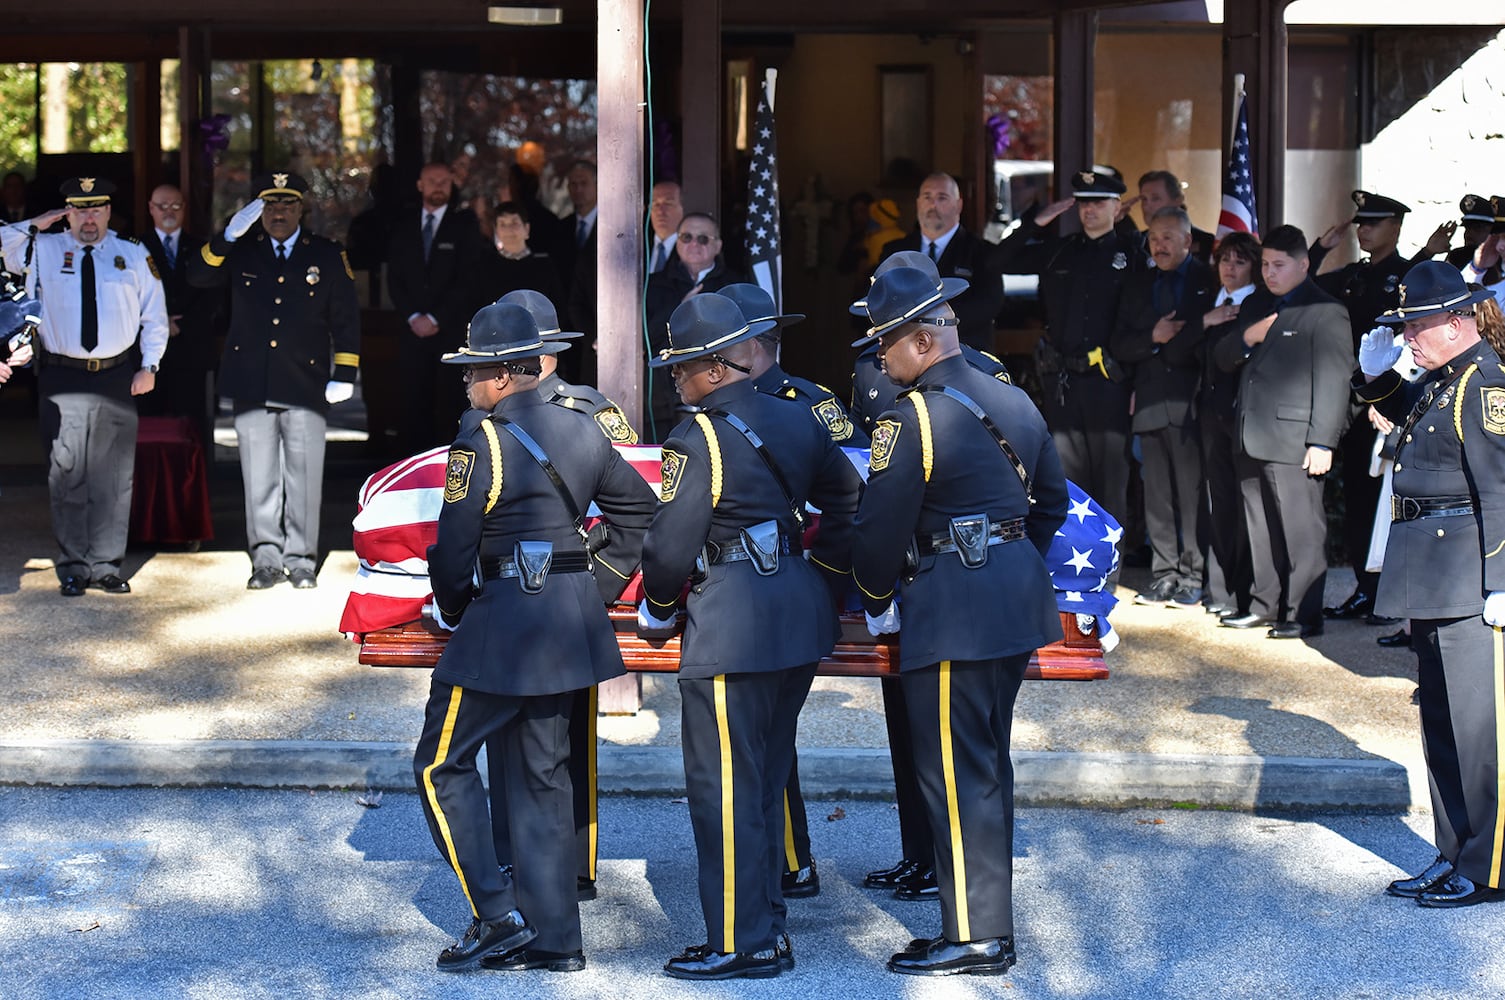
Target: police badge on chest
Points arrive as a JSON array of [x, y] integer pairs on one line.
[[312, 277], [1120, 261]]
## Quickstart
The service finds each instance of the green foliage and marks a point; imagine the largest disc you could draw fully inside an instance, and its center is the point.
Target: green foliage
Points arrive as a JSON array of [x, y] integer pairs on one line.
[[18, 133]]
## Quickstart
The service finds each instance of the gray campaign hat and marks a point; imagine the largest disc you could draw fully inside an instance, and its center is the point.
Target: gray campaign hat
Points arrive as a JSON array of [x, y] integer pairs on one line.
[[703, 325], [909, 258], [900, 296], [757, 305], [544, 313], [1433, 287], [500, 332]]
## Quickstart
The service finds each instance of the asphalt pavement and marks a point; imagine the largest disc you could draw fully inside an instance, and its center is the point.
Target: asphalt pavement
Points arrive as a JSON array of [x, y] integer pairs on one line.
[[229, 894]]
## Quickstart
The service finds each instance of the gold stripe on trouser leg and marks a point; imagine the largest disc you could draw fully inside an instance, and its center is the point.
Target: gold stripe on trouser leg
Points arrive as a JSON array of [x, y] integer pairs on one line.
[[953, 818], [593, 827], [445, 735], [1499, 677], [728, 822], [790, 858]]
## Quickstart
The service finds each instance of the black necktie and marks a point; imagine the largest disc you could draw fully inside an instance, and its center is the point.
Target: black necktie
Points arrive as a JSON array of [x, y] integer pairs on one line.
[[88, 317], [169, 251], [428, 233], [1227, 301], [582, 230], [282, 253], [933, 254]]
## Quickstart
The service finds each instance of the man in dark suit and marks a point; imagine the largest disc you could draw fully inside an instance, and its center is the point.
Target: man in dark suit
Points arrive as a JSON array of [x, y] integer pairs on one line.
[[579, 268], [1158, 335], [1294, 359], [184, 386], [957, 254], [428, 276], [1160, 189]]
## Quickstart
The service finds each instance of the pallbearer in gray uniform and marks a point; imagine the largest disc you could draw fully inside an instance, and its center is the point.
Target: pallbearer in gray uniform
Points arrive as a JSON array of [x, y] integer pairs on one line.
[[1445, 568], [102, 336], [293, 351], [735, 480], [532, 633], [964, 495]]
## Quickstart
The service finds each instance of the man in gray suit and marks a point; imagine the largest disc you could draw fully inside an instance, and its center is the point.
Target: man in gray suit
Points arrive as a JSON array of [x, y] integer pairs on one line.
[[1294, 357]]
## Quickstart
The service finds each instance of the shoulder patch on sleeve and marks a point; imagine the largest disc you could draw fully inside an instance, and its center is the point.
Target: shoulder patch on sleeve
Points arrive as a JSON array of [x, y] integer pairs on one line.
[[671, 471], [831, 416], [345, 259], [614, 425], [885, 435], [1493, 398], [457, 475], [151, 265]]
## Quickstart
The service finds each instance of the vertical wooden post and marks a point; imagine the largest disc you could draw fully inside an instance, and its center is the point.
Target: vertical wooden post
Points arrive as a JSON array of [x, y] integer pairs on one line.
[[619, 238], [1073, 41], [700, 106], [194, 176], [1255, 43], [146, 135]]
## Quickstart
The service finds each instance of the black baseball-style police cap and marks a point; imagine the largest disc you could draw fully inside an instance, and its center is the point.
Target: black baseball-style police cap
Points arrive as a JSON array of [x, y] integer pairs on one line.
[[501, 332], [1476, 208], [900, 296], [1497, 208], [86, 192], [1370, 207], [280, 186], [1092, 184], [1433, 287], [703, 325], [543, 311]]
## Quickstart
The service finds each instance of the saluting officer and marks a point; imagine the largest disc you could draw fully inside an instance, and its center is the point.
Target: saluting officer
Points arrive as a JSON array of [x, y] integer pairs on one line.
[[874, 393], [735, 480], [292, 352], [963, 469], [1082, 276], [801, 879], [1367, 288], [1445, 568], [533, 633], [611, 579], [102, 336]]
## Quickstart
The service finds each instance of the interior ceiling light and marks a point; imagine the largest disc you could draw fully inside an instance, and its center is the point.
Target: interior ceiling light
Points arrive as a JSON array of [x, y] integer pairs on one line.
[[525, 15]]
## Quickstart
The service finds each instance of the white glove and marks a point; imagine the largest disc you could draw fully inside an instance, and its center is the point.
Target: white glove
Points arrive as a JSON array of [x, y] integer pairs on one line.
[[338, 392], [242, 221], [647, 621], [440, 621], [1378, 351], [886, 623], [1494, 609]]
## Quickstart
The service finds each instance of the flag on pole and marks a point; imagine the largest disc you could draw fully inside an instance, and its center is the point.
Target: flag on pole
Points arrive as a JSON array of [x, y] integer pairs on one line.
[[1238, 215], [764, 248]]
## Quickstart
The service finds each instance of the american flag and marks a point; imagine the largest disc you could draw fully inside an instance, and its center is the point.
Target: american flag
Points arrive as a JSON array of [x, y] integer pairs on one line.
[[764, 248], [1238, 215]]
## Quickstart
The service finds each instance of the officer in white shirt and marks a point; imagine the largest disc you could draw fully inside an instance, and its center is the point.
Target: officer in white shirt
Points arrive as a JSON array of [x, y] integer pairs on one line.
[[101, 339]]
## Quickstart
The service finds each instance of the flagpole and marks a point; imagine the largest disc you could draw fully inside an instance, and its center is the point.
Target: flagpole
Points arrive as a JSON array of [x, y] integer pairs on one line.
[[1238, 95]]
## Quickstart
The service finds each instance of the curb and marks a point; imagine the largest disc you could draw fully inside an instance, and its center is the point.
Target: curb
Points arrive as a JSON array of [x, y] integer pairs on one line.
[[1041, 777]]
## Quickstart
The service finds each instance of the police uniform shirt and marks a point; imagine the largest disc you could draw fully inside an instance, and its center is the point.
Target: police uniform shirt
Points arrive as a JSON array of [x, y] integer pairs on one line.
[[823, 404], [874, 393], [933, 460], [129, 294], [584, 399], [1366, 288], [1081, 279]]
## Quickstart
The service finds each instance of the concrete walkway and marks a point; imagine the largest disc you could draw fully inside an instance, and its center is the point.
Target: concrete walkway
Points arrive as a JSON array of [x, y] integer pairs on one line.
[[191, 679]]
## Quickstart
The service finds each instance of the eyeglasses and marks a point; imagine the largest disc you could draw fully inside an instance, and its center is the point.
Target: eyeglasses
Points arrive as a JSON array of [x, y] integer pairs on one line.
[[700, 238], [469, 374], [168, 206]]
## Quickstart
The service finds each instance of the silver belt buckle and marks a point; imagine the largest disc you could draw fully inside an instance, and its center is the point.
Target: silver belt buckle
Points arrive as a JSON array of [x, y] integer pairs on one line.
[[969, 533], [533, 560]]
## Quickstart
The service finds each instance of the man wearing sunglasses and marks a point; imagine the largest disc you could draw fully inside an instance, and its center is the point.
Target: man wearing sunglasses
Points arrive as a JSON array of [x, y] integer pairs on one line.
[[696, 266]]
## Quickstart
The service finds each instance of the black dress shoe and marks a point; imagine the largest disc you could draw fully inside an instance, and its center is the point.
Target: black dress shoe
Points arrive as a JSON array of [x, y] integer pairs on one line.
[[784, 948], [486, 937], [73, 586], [889, 878], [527, 959], [1380, 620], [707, 964], [1158, 595], [1458, 890], [919, 886], [988, 957], [111, 584], [801, 884], [1250, 620], [1186, 597], [1220, 610], [1358, 605], [303, 579], [264, 578], [1293, 630], [585, 889], [1399, 639], [1410, 888]]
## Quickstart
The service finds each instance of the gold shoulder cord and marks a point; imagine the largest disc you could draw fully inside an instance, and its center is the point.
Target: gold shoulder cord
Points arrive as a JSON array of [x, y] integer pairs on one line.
[[713, 444], [494, 493]]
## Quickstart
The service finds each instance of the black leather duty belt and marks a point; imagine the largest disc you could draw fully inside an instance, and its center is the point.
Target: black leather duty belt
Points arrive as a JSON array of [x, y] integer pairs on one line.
[[1011, 530], [49, 360], [1413, 508], [499, 568], [729, 552]]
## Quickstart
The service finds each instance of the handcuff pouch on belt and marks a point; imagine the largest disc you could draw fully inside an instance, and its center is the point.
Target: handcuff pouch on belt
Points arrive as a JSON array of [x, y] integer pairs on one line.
[[969, 533], [762, 542], [533, 560]]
